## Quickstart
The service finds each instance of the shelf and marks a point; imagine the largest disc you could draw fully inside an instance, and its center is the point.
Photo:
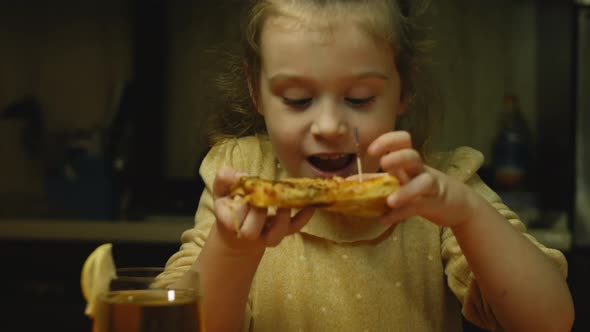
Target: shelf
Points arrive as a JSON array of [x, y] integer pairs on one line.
[[168, 230], [154, 230], [555, 239]]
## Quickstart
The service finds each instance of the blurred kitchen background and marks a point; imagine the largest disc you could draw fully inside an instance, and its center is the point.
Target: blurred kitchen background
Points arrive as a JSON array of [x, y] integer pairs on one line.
[[103, 111]]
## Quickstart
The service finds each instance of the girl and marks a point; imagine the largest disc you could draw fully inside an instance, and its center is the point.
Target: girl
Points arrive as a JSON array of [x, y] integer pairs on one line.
[[315, 70]]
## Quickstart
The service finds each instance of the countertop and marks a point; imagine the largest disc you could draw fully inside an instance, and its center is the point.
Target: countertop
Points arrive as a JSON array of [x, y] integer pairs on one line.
[[167, 229], [157, 229]]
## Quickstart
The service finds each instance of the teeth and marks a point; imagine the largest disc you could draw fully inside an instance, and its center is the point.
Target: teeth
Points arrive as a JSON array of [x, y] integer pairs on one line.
[[331, 157]]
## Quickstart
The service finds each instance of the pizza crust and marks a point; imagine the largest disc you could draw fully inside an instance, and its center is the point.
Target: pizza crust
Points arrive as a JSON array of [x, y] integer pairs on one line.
[[347, 197]]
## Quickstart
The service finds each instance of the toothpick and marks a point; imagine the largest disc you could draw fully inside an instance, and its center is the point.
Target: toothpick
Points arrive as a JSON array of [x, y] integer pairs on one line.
[[359, 165]]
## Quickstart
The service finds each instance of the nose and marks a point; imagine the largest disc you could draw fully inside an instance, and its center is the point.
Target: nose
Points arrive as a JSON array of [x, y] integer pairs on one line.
[[329, 122]]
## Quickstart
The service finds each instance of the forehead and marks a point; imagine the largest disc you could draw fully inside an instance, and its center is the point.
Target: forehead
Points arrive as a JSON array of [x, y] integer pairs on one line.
[[282, 31], [377, 18], [290, 41], [289, 26]]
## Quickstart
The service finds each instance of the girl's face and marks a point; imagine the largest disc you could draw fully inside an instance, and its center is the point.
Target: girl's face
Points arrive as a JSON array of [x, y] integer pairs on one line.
[[316, 86]]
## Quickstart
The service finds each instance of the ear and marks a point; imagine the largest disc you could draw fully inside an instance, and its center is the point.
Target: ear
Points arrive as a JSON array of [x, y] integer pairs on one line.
[[408, 88], [403, 107], [404, 104]]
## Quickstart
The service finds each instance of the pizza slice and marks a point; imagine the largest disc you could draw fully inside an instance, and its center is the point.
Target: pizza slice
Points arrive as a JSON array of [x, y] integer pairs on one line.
[[347, 197]]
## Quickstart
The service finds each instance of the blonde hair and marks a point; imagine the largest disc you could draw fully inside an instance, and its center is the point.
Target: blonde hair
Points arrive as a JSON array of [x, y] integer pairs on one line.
[[392, 21]]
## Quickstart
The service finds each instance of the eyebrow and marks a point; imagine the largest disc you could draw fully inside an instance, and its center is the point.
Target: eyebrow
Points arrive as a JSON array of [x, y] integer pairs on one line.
[[281, 77]]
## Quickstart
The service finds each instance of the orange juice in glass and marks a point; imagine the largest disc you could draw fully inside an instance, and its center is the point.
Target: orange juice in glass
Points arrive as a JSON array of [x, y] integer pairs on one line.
[[133, 304]]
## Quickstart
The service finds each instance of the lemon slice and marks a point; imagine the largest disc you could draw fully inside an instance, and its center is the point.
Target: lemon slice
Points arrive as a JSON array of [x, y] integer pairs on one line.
[[97, 272]]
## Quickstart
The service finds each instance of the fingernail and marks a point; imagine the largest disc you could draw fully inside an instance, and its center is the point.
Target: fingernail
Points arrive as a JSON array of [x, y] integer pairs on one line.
[[392, 201]]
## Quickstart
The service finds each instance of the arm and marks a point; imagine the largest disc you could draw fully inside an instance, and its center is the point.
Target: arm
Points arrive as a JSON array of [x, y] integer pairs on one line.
[[229, 259], [225, 279], [522, 286]]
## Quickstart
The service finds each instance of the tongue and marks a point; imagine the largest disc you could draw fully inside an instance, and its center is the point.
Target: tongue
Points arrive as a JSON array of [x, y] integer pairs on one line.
[[330, 165]]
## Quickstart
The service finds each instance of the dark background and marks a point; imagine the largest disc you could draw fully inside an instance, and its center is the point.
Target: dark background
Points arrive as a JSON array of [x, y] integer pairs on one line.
[[42, 276]]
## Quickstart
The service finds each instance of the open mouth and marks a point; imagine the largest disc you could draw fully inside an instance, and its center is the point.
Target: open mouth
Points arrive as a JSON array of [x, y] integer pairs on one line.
[[332, 163]]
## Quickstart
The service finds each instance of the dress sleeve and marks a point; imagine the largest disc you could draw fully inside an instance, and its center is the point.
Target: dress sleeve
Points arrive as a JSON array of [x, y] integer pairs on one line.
[[193, 239], [459, 276], [227, 154]]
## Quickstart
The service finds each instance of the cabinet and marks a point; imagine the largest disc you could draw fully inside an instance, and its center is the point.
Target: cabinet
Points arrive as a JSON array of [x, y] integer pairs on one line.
[[41, 280]]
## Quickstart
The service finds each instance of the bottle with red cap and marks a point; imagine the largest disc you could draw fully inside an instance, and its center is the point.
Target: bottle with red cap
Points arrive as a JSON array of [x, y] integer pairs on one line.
[[511, 147]]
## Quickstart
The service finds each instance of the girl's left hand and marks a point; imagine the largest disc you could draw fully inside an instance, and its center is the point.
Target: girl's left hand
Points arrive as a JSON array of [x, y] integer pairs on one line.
[[424, 191]]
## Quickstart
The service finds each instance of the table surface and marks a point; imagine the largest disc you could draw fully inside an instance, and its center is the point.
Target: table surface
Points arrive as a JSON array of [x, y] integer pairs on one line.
[[167, 229], [159, 230]]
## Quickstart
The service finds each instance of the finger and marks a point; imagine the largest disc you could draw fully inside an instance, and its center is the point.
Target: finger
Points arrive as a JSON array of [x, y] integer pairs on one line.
[[279, 227], [395, 216], [230, 213], [300, 219], [224, 180], [253, 223], [401, 175], [408, 160], [391, 141], [423, 184]]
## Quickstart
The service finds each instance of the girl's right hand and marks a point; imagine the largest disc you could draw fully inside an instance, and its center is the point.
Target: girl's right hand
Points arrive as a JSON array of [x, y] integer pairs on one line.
[[244, 227]]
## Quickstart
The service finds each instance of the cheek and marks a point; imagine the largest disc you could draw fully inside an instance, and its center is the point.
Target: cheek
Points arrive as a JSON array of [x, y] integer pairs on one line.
[[275, 123], [287, 149], [284, 138]]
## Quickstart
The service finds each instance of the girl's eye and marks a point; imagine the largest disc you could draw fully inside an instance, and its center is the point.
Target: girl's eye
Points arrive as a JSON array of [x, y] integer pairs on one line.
[[359, 102], [297, 103]]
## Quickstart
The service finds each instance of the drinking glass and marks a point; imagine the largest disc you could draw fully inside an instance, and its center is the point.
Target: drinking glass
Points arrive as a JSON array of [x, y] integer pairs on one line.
[[134, 304]]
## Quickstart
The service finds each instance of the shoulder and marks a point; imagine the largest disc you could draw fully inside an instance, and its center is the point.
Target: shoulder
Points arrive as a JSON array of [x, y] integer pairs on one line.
[[462, 162], [251, 154]]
